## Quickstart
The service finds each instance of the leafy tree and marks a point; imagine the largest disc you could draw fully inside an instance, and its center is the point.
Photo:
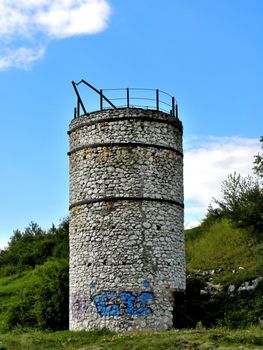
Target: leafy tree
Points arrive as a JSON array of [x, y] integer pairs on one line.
[[33, 247], [51, 295], [241, 200], [43, 302], [258, 161]]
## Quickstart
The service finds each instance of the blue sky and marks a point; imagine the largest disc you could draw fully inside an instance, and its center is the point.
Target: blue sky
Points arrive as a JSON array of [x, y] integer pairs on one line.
[[207, 53]]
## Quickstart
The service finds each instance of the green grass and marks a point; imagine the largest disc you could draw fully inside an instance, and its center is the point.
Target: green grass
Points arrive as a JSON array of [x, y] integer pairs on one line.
[[201, 339], [207, 247], [11, 292], [225, 247]]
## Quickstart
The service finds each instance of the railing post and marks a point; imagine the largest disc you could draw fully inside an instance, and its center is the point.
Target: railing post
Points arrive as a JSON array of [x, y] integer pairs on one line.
[[157, 99], [78, 103], [101, 99], [173, 106], [176, 110], [128, 98]]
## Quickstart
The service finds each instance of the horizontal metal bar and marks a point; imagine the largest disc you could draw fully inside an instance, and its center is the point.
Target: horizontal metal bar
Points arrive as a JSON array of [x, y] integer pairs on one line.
[[133, 199], [118, 98], [143, 89], [114, 89], [163, 92], [133, 98], [165, 103], [153, 108], [130, 89], [126, 144], [142, 98]]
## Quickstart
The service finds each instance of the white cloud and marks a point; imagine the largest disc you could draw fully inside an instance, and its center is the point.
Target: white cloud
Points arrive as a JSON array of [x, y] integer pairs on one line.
[[20, 58], [38, 21], [207, 162], [2, 246], [65, 18], [191, 224]]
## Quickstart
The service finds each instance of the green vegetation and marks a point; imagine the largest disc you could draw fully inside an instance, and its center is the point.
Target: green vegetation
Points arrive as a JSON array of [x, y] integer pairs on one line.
[[220, 256], [199, 339], [241, 200], [258, 162], [34, 279], [34, 247], [224, 259], [235, 251]]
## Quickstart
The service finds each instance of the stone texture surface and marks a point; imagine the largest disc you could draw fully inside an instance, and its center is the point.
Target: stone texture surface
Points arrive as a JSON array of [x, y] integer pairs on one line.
[[126, 255]]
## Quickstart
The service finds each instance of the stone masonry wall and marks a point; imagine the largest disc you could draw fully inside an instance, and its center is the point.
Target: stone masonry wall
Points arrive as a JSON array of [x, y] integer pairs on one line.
[[126, 219]]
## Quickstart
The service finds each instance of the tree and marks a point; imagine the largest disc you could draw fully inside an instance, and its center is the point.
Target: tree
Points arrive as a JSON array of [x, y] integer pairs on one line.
[[34, 247], [258, 161], [241, 201]]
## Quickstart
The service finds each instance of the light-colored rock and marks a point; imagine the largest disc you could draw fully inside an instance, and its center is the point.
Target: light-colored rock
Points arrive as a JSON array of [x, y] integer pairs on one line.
[[126, 255]]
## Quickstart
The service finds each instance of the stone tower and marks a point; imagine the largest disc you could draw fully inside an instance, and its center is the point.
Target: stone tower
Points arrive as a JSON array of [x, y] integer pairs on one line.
[[126, 216]]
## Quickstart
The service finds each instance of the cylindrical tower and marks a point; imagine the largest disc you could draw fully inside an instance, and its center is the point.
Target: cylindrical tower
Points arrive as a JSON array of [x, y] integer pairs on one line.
[[126, 219]]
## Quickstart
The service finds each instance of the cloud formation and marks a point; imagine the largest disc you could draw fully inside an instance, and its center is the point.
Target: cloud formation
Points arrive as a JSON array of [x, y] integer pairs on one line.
[[26, 26], [207, 162]]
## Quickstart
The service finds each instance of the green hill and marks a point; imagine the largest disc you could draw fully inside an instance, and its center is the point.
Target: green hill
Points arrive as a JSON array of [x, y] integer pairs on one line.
[[223, 262], [199, 339], [235, 252], [225, 276], [34, 279]]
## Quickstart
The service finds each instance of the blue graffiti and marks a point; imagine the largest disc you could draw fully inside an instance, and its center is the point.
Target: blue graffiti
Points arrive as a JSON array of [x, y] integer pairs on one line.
[[146, 284], [93, 285], [105, 304], [108, 303], [137, 305]]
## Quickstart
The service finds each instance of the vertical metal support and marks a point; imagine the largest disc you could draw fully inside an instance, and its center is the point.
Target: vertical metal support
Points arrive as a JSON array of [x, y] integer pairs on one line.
[[78, 103], [157, 99], [75, 112], [173, 106], [176, 110], [128, 98], [101, 99]]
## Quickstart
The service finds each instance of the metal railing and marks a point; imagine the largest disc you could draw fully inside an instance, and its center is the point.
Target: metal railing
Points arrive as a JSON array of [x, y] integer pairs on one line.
[[154, 99]]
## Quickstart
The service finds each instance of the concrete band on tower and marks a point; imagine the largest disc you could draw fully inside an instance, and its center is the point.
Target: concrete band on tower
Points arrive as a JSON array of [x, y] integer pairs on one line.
[[126, 219]]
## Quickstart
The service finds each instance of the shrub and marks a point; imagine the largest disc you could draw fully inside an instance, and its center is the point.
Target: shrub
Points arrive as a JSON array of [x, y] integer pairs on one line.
[[43, 301], [51, 295]]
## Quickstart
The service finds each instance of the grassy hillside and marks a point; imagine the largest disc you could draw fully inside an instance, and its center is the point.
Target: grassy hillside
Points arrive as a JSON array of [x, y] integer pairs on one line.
[[102, 340], [224, 264], [235, 252], [34, 279], [219, 257], [36, 298], [11, 290]]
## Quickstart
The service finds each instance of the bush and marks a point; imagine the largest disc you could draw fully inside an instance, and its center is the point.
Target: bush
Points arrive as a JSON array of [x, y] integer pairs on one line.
[[241, 201], [34, 247], [51, 295], [243, 309], [43, 301]]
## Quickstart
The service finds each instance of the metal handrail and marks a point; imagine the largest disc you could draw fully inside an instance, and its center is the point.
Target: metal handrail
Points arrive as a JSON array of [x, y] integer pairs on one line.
[[159, 103]]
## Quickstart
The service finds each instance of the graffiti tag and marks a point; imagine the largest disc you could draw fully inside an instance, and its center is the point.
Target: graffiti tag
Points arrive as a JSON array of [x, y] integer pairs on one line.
[[109, 303]]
